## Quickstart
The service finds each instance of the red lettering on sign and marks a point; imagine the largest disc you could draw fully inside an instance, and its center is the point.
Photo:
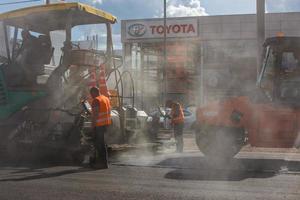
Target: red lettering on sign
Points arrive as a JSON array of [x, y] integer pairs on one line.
[[176, 29], [183, 26], [191, 28], [172, 29], [160, 29], [168, 28], [152, 29]]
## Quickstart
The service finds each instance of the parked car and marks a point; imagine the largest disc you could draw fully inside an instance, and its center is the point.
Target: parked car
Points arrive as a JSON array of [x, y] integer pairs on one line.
[[158, 117]]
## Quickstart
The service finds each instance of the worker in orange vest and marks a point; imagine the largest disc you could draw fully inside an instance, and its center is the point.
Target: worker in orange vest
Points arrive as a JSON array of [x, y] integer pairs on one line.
[[101, 119], [177, 120]]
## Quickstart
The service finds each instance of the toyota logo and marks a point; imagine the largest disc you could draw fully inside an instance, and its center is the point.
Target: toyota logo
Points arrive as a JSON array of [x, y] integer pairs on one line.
[[137, 30]]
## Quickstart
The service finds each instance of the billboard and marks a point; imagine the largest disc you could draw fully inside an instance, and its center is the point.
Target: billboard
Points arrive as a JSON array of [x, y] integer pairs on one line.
[[147, 29]]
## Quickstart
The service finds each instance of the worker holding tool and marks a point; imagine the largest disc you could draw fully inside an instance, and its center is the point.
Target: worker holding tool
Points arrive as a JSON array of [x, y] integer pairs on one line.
[[177, 120], [101, 119]]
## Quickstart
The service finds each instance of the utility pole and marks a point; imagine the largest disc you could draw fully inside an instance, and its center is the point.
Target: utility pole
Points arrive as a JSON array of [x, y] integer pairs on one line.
[[260, 25], [165, 55]]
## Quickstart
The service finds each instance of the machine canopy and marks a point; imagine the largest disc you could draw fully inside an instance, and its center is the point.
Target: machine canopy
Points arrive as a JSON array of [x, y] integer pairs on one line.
[[51, 17]]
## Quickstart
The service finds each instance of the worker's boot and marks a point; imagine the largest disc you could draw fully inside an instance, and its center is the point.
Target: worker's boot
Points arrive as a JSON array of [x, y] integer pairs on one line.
[[86, 161], [100, 165]]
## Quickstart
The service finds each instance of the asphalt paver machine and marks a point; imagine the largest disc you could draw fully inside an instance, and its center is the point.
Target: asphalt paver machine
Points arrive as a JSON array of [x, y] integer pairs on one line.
[[40, 108]]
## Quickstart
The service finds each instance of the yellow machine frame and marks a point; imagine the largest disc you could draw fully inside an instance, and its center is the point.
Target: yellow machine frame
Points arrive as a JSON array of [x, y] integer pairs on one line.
[[50, 17]]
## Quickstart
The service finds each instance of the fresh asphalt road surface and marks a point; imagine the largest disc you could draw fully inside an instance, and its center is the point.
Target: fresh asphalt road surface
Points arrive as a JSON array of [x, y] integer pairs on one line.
[[166, 176]]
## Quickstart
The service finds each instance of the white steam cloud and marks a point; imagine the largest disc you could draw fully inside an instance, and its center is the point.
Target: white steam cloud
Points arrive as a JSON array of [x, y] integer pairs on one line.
[[182, 8]]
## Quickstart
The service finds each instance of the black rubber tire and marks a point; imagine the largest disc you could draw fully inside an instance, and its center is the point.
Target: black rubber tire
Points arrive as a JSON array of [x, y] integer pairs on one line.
[[220, 142]]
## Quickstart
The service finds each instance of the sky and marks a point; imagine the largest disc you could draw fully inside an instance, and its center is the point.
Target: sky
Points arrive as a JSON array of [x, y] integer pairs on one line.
[[138, 9]]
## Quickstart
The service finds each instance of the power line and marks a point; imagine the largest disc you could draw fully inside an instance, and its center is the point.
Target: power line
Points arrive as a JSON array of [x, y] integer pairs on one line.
[[17, 2]]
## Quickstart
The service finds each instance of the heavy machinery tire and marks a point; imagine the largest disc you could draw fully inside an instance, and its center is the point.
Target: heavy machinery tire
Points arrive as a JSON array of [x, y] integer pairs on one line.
[[220, 142], [14, 152]]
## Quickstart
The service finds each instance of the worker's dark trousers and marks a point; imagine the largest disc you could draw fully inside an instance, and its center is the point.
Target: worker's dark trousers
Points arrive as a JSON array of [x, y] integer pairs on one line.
[[101, 149], [178, 133]]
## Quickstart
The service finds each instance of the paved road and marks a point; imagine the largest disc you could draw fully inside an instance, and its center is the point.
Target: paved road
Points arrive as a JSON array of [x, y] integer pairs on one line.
[[169, 176]]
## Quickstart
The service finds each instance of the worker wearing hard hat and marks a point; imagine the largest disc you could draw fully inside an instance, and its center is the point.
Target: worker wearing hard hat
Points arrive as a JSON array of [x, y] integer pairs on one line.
[[101, 119], [177, 120]]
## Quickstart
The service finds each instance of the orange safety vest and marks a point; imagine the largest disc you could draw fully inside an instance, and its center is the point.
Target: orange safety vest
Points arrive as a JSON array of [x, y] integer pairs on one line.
[[104, 117], [177, 115]]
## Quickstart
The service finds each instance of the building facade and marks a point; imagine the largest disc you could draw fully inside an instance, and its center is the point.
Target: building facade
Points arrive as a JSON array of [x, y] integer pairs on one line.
[[207, 57]]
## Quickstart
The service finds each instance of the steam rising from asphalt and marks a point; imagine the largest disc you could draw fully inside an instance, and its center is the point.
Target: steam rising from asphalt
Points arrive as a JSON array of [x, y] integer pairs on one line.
[[147, 88]]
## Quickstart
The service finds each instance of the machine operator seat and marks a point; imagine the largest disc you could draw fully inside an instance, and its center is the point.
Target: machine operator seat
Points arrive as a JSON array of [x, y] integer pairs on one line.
[[35, 52], [44, 54]]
